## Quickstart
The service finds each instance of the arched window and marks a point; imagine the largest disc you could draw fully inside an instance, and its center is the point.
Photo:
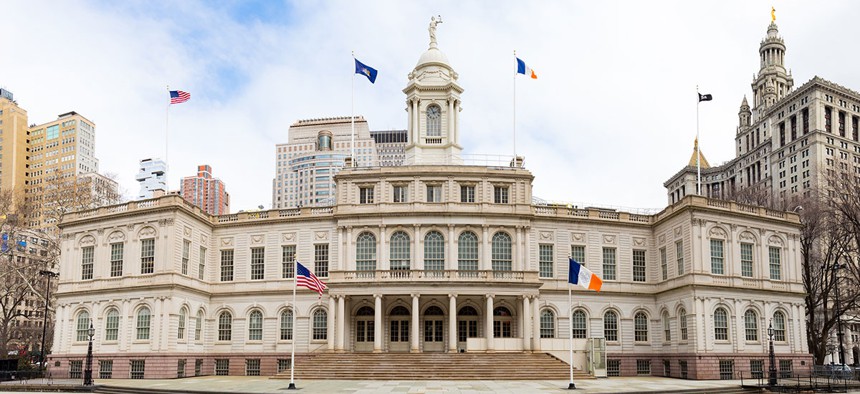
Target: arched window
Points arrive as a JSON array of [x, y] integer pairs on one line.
[[400, 255], [365, 252], [682, 322], [287, 325], [434, 251], [578, 324], [751, 325], [83, 331], [255, 326], [225, 326], [640, 327], [610, 326], [198, 326], [501, 252], [667, 333], [467, 252], [547, 324], [320, 326], [112, 325], [502, 323], [779, 326], [183, 315], [467, 311], [434, 121], [143, 323], [721, 324]]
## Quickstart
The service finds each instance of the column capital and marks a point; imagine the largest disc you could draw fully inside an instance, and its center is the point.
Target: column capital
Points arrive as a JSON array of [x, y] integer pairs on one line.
[[535, 296], [415, 295], [377, 295], [489, 295], [452, 295]]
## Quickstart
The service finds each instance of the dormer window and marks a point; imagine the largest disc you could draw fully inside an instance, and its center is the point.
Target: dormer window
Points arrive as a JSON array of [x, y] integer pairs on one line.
[[434, 121]]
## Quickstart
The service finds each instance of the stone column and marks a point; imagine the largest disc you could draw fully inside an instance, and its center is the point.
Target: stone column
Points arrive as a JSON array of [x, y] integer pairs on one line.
[[485, 250], [740, 337], [527, 332], [341, 324], [383, 264], [330, 330], [349, 253], [451, 260], [166, 334], [377, 323], [536, 324], [416, 129], [488, 327], [155, 319], [452, 323], [417, 256], [450, 123], [414, 331], [125, 316]]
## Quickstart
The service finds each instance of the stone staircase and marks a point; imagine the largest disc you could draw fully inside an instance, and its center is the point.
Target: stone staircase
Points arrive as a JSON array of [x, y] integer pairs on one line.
[[432, 366]]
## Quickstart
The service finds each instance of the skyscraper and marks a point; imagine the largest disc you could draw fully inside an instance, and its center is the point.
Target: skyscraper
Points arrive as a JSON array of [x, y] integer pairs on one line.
[[206, 192], [152, 176], [13, 141]]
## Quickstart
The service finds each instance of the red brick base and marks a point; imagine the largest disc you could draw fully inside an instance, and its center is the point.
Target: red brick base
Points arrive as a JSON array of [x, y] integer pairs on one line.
[[706, 366], [166, 366]]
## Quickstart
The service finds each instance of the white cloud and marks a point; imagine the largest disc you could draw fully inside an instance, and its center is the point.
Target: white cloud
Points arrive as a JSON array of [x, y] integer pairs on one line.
[[612, 115]]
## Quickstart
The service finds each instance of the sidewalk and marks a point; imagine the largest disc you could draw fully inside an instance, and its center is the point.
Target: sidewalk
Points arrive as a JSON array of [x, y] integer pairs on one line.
[[248, 384]]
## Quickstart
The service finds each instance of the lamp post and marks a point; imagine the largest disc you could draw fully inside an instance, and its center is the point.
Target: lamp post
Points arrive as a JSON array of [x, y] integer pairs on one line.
[[48, 275], [771, 372], [88, 372], [839, 333]]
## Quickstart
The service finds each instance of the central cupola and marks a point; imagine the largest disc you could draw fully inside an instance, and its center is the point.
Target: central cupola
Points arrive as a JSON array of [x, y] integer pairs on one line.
[[433, 107]]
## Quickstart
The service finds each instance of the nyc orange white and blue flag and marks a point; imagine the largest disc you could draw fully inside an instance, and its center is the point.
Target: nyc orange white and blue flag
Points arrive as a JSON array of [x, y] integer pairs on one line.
[[367, 71], [525, 70], [579, 275]]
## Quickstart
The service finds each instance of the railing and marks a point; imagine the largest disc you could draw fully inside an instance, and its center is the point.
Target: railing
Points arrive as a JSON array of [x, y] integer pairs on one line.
[[821, 378], [396, 275]]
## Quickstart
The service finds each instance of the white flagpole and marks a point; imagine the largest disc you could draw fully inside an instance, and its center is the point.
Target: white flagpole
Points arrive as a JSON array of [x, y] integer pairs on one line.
[[166, 126], [698, 151], [570, 334], [515, 110], [352, 113], [292, 385]]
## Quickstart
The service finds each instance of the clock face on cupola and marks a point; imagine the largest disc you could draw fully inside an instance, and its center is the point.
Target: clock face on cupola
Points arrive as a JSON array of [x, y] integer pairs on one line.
[[433, 107]]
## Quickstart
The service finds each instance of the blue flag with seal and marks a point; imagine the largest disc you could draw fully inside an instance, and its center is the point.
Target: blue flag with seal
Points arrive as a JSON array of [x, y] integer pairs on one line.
[[367, 71]]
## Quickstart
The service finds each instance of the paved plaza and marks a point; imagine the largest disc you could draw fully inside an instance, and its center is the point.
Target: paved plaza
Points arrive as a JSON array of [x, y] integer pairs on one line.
[[246, 384]]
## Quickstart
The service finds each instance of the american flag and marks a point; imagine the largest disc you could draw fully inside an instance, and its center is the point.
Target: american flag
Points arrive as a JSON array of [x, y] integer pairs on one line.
[[306, 278], [179, 97]]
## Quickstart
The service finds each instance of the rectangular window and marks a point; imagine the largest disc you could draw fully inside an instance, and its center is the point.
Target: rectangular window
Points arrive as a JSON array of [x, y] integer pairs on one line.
[[784, 369], [643, 367], [147, 256], [321, 260], [87, 257], [683, 367], [727, 369], [252, 367], [664, 264], [365, 195], [288, 261], [198, 367], [138, 369], [683, 323], [613, 368], [667, 368], [180, 368], [717, 265], [186, 252], [258, 265], [467, 193], [638, 265], [283, 365], [747, 260], [500, 194], [116, 255], [227, 265], [222, 367], [76, 368], [757, 369], [774, 257], [577, 253], [545, 261], [105, 369], [400, 193], [434, 193], [201, 265], [608, 263]]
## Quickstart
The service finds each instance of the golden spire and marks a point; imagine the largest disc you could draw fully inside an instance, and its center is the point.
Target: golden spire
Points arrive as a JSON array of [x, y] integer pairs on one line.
[[772, 14], [697, 154]]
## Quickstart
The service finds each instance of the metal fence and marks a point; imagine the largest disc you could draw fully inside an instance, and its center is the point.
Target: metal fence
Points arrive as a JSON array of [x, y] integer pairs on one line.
[[819, 378]]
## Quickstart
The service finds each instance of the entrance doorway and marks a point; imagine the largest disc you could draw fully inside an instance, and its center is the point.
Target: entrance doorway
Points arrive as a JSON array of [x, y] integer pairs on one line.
[[364, 329], [398, 333], [467, 325], [434, 325], [502, 323]]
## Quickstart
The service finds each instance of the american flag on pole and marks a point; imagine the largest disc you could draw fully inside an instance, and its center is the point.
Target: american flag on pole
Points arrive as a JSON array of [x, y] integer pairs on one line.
[[306, 278], [179, 97]]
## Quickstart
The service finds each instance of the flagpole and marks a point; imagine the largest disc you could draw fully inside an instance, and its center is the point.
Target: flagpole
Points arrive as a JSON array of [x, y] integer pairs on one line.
[[292, 385], [166, 126], [570, 386], [352, 114], [698, 151], [515, 112]]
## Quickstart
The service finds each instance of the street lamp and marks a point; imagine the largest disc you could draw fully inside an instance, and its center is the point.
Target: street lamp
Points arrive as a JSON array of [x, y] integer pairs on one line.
[[771, 373], [88, 372], [839, 333], [48, 275]]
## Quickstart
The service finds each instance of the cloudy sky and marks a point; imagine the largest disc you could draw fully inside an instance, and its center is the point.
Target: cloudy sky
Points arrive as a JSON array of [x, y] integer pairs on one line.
[[610, 118]]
